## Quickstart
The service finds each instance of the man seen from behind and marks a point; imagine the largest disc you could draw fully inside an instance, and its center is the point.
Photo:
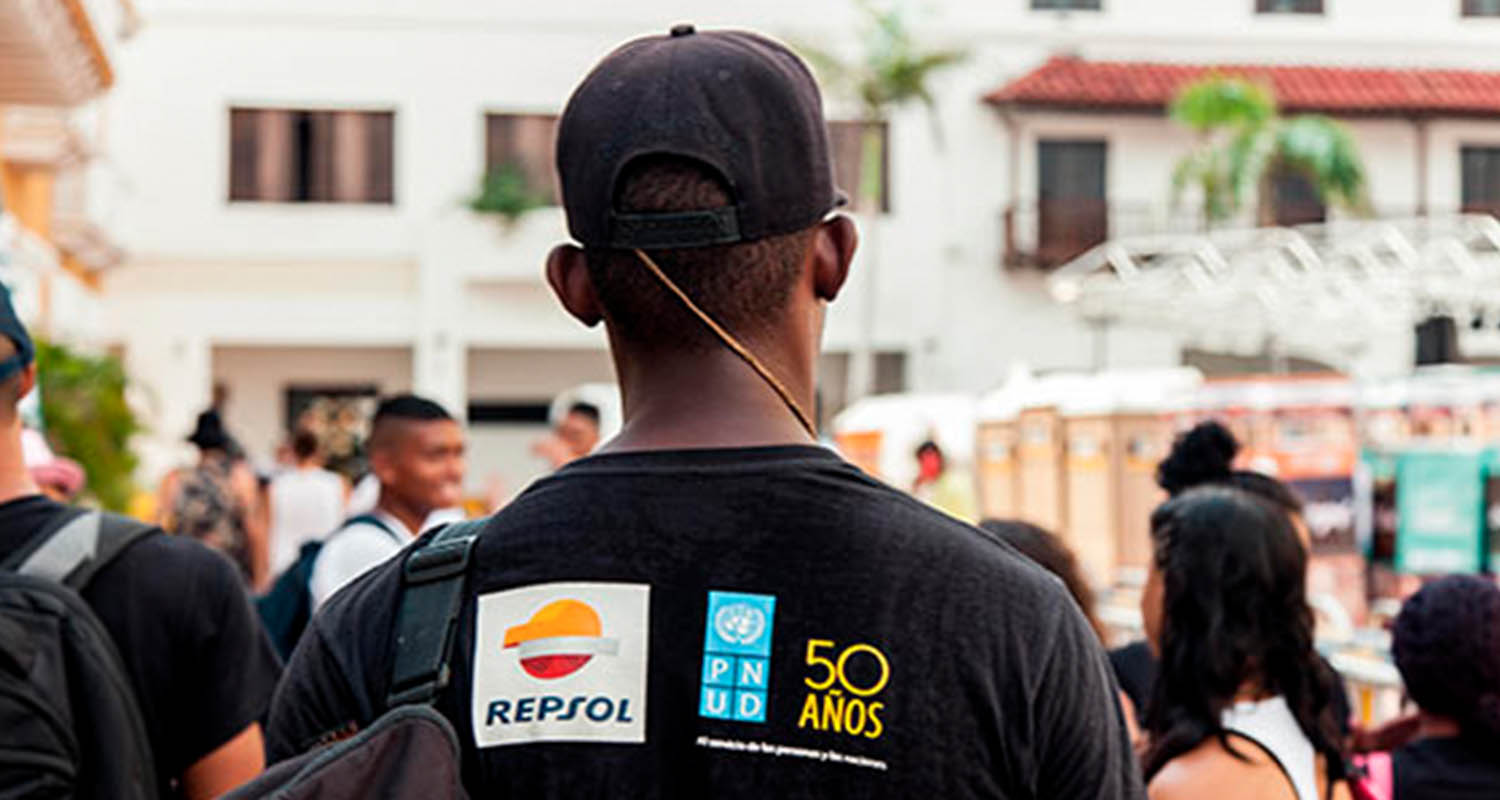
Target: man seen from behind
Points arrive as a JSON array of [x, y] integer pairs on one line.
[[712, 604]]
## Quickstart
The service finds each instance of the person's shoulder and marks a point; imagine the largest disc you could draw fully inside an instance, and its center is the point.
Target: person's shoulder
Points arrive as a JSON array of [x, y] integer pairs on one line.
[[158, 552], [166, 575], [1211, 770]]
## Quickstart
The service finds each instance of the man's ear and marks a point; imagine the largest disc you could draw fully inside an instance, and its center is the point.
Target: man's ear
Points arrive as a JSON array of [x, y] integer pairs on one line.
[[27, 377], [568, 275], [381, 463], [834, 242]]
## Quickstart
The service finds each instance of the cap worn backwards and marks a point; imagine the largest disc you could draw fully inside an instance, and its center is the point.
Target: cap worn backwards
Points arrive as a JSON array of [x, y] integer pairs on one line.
[[739, 103], [12, 329]]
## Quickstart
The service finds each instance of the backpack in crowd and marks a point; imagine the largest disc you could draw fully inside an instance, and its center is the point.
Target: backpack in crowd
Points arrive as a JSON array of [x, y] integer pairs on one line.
[[411, 752], [287, 606], [69, 723]]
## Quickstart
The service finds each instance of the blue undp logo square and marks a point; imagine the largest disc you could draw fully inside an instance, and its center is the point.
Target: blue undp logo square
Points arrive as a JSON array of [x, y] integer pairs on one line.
[[739, 624], [737, 656]]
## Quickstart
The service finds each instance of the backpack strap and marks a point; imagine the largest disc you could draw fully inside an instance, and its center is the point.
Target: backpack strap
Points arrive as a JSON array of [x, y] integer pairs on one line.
[[13, 562], [78, 544], [371, 518], [432, 592]]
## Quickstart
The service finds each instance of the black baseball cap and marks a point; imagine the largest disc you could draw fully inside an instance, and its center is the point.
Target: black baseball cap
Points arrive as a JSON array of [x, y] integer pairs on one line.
[[12, 329], [740, 104]]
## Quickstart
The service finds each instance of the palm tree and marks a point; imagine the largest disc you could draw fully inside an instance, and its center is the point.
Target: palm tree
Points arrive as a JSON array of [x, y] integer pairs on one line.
[[893, 72], [1243, 144]]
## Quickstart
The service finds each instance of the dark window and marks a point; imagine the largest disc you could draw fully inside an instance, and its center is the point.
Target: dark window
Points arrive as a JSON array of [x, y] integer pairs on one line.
[[1481, 8], [1295, 199], [1288, 6], [339, 415], [849, 140], [524, 142], [517, 413], [1065, 5], [293, 156], [1072, 213], [1481, 179]]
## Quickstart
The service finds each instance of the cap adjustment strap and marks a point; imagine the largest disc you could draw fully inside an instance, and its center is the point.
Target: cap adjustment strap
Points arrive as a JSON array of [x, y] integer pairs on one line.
[[733, 344], [675, 229]]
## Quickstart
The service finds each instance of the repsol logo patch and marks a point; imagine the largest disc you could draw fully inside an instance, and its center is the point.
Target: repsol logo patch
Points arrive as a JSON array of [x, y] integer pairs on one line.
[[559, 709], [561, 662]]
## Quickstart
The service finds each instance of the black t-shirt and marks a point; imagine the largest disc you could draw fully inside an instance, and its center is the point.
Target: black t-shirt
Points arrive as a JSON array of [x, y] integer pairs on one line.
[[1446, 769], [1135, 669], [763, 622], [196, 655]]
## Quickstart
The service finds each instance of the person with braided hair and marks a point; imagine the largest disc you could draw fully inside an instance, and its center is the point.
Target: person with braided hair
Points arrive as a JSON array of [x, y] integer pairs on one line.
[[1447, 646]]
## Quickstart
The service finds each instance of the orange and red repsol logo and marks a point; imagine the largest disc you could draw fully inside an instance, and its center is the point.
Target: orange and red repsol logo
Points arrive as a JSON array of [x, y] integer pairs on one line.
[[561, 662]]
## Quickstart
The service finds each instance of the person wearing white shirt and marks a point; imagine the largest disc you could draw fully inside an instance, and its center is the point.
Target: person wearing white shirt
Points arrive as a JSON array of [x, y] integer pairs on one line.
[[416, 451], [307, 502]]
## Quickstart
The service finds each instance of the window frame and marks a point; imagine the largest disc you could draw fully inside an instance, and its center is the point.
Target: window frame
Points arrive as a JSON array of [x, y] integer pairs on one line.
[[1263, 8], [1469, 9], [1466, 205], [835, 125], [297, 117], [553, 186], [1098, 6]]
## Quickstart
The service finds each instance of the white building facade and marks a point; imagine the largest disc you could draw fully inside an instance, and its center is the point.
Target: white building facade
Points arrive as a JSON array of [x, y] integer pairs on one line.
[[295, 218]]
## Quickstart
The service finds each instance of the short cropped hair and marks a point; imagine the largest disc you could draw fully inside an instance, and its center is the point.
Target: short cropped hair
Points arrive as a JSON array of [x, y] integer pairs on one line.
[[393, 411], [304, 443], [743, 286], [588, 411], [10, 387]]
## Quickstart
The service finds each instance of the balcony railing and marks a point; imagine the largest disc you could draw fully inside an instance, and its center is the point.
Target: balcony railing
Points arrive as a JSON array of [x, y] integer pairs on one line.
[[1048, 233]]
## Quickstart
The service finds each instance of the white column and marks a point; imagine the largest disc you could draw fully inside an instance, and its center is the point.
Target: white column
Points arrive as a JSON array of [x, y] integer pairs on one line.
[[439, 363], [171, 381]]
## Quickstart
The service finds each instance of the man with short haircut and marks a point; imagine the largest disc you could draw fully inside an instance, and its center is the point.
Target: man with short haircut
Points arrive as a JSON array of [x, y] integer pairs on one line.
[[713, 604], [201, 669], [575, 435], [416, 451]]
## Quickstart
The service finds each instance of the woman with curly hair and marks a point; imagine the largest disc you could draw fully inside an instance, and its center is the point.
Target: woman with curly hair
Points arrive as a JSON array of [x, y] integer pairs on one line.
[[1241, 707]]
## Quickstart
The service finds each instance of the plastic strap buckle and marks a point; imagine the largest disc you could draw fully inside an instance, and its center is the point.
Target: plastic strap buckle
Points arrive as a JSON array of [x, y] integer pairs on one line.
[[427, 618]]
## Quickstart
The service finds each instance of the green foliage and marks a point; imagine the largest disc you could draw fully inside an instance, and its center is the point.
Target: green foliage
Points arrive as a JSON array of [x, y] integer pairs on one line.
[[1242, 141], [1217, 102], [1322, 150], [506, 191], [88, 420], [892, 72]]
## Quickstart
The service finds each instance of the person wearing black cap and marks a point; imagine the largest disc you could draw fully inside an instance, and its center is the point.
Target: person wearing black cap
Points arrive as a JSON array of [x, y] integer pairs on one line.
[[201, 669], [712, 604]]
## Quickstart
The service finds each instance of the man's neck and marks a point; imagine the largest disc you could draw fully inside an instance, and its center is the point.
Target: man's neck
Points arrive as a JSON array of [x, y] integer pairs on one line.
[[407, 514], [706, 400], [15, 478]]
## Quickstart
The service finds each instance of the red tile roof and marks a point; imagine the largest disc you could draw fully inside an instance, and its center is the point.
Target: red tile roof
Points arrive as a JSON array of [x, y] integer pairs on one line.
[[1072, 83]]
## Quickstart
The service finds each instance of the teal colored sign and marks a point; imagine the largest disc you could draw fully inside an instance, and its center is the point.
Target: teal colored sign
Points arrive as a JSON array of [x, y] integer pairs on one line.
[[1440, 512], [1381, 463]]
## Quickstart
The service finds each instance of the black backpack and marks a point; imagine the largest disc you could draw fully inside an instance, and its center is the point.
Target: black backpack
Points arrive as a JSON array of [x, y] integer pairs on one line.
[[69, 723], [411, 752], [287, 606]]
